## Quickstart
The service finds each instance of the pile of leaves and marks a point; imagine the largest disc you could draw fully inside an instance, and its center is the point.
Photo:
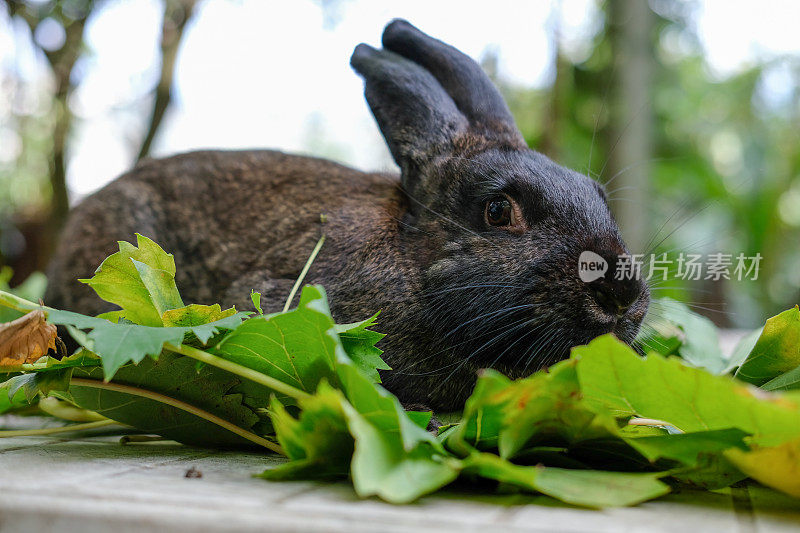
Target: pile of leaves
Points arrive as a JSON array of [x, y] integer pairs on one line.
[[606, 427]]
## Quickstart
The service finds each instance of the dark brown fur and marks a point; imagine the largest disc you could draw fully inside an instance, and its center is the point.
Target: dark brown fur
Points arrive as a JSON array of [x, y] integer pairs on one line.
[[455, 294]]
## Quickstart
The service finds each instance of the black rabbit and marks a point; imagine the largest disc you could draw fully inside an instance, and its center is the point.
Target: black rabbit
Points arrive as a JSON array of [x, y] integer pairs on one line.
[[471, 253]]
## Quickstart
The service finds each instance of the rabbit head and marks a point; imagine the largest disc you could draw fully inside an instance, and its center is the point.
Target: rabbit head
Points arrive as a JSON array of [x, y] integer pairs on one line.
[[497, 228]]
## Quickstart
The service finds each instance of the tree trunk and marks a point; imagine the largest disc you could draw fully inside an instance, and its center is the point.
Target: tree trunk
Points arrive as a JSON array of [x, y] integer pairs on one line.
[[630, 30], [62, 62], [177, 14]]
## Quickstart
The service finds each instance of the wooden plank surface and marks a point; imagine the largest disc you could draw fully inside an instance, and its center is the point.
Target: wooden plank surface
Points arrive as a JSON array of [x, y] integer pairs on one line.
[[97, 484]]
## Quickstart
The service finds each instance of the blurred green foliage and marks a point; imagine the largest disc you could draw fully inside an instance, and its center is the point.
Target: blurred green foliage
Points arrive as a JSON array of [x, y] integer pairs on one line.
[[725, 165], [31, 289], [723, 172]]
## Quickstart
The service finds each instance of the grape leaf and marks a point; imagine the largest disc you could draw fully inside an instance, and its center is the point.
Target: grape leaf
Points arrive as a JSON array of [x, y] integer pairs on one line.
[[209, 389], [21, 389], [122, 343], [359, 343], [743, 349], [318, 444], [381, 408], [545, 409], [299, 347], [11, 401], [36, 383], [689, 335], [549, 407], [712, 472], [141, 280], [255, 297], [393, 457], [119, 344], [205, 321], [54, 376], [160, 284], [483, 416], [587, 488], [382, 466], [784, 382], [776, 351], [776, 466], [195, 315], [689, 448], [612, 376]]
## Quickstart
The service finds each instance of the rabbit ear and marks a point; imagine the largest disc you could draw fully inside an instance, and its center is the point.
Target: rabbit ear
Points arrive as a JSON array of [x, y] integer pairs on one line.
[[470, 88], [416, 116]]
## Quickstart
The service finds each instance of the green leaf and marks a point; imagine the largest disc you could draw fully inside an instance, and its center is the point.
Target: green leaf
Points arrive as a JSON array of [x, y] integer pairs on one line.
[[777, 350], [122, 343], [597, 488], [712, 472], [204, 321], [9, 400], [743, 349], [381, 408], [299, 347], [209, 389], [37, 383], [139, 280], [112, 316], [420, 418], [787, 381], [195, 315], [359, 343], [587, 488], [382, 466], [776, 466], [549, 407], [160, 284], [367, 432], [256, 298], [296, 347], [545, 409], [318, 443], [484, 414], [394, 457], [691, 336], [119, 344], [612, 376], [82, 357], [21, 389], [689, 449]]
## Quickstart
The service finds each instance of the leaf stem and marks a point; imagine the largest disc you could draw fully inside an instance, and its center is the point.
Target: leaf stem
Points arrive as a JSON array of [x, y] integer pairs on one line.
[[303, 272], [239, 370], [637, 421], [178, 404], [25, 367], [52, 431], [20, 304]]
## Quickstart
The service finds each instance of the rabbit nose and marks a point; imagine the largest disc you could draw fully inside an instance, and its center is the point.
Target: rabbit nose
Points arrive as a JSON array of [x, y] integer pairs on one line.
[[614, 299]]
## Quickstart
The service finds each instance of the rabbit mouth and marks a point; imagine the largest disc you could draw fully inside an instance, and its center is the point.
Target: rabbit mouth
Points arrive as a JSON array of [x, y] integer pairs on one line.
[[560, 344]]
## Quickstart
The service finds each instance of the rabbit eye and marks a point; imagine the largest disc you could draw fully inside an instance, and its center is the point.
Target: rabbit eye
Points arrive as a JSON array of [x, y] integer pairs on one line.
[[499, 212]]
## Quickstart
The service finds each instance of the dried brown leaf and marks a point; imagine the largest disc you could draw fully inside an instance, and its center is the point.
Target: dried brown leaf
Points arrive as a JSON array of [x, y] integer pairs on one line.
[[26, 339]]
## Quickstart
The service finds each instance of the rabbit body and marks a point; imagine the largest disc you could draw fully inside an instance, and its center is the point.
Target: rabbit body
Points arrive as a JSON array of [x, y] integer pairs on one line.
[[470, 253]]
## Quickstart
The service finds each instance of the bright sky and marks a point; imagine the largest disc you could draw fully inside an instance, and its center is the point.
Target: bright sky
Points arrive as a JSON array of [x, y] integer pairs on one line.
[[272, 74]]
